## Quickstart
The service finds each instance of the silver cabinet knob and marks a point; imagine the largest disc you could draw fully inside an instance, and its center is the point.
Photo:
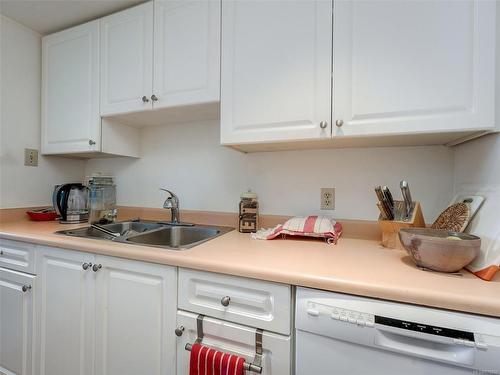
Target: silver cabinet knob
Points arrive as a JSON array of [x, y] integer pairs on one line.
[[225, 301], [154, 98], [96, 267], [323, 124], [179, 331], [91, 142], [86, 266], [25, 288], [339, 123], [145, 99]]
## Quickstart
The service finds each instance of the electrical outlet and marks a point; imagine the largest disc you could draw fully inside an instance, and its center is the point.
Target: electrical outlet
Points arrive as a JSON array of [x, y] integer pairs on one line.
[[30, 157], [328, 198]]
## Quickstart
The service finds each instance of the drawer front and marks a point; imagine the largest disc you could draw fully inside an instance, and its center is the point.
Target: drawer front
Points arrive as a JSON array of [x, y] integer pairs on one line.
[[234, 339], [18, 256], [255, 303]]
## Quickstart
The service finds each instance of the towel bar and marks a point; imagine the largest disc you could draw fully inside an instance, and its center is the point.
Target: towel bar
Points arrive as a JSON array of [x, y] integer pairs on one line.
[[255, 366]]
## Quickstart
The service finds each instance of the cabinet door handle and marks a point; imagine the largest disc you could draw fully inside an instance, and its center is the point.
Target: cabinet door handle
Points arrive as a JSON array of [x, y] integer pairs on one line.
[[225, 301], [339, 123], [25, 288], [154, 98], [86, 266], [323, 124], [145, 99], [96, 267], [91, 142], [179, 331]]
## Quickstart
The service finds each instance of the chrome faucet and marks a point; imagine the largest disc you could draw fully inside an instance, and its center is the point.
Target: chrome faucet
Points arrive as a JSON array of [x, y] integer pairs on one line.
[[172, 203]]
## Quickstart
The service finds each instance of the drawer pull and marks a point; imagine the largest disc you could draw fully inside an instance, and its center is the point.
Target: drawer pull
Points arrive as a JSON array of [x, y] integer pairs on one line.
[[179, 331], [225, 301]]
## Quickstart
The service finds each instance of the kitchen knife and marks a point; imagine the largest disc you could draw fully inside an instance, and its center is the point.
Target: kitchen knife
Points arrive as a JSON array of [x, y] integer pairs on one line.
[[405, 190], [388, 195], [384, 204]]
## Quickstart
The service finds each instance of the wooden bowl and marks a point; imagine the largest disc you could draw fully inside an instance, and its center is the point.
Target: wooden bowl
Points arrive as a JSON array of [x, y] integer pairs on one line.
[[440, 250]]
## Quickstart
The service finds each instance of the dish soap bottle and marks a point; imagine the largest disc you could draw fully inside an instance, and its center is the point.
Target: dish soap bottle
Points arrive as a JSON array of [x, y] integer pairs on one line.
[[249, 213]]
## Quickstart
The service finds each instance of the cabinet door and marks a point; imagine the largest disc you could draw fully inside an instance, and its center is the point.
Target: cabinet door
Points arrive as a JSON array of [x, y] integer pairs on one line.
[[186, 52], [413, 66], [127, 60], [276, 70], [66, 302], [16, 322], [136, 304], [70, 90]]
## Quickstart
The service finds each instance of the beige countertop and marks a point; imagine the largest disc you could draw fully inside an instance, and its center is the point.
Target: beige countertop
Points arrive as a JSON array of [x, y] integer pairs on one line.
[[354, 266]]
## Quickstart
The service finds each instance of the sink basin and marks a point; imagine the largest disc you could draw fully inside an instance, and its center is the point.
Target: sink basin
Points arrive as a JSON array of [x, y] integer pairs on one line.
[[124, 228], [177, 237], [150, 233]]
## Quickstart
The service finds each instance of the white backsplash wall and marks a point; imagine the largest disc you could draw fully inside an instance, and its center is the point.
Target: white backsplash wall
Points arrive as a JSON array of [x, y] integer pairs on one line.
[[477, 166], [20, 75], [188, 159]]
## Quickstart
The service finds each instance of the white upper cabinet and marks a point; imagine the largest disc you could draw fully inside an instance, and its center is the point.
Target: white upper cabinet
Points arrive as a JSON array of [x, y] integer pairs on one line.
[[186, 52], [184, 68], [127, 60], [276, 71], [407, 67], [70, 90]]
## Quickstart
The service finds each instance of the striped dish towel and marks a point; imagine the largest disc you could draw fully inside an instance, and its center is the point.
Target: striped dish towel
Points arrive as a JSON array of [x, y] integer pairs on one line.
[[309, 226], [208, 361]]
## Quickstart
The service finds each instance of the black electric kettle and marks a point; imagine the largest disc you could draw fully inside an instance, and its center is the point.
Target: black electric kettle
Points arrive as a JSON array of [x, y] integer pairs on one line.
[[70, 203]]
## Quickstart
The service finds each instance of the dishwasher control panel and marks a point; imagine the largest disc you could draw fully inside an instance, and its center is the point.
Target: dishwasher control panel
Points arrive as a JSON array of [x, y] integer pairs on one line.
[[425, 328]]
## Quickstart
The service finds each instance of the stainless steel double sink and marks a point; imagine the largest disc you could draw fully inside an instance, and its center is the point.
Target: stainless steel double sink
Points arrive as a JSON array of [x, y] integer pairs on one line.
[[167, 235]]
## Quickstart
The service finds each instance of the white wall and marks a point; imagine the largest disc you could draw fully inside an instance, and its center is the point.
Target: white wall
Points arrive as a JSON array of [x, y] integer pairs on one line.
[[188, 159], [477, 166], [20, 75]]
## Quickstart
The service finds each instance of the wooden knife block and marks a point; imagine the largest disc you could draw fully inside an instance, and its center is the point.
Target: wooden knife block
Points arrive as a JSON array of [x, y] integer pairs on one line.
[[390, 228]]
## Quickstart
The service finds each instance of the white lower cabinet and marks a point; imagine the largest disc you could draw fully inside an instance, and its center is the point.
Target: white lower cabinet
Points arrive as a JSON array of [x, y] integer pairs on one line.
[[16, 322], [235, 339], [66, 308], [102, 315], [136, 306]]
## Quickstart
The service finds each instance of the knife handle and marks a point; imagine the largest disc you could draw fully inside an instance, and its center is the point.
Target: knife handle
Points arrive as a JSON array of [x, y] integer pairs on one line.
[[388, 195]]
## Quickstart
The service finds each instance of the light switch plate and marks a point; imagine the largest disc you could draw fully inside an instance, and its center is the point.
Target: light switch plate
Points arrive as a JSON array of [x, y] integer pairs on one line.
[[328, 198], [30, 157]]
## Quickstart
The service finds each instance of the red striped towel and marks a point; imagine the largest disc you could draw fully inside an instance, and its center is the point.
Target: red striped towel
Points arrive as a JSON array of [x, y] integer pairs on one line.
[[208, 361], [309, 226]]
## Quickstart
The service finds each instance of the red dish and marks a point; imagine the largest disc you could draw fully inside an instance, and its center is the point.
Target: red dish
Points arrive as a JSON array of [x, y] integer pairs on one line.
[[42, 215]]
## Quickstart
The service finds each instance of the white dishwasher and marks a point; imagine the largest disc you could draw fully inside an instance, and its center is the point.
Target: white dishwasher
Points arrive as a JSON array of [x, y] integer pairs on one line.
[[344, 334]]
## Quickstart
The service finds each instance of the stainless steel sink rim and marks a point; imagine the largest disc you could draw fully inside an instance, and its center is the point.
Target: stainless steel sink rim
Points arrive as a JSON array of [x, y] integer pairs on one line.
[[207, 232]]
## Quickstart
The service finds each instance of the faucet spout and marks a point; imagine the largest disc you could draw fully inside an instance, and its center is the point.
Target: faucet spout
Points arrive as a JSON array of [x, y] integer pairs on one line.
[[172, 203]]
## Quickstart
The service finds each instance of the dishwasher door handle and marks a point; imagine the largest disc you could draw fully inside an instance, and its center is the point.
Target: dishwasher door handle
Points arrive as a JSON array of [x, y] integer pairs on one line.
[[438, 351]]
